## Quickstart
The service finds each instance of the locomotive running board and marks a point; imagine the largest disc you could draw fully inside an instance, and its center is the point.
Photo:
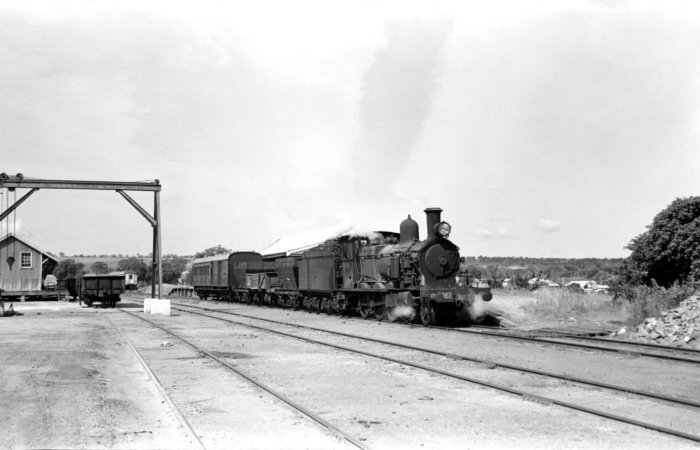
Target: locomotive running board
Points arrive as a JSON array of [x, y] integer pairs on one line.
[[383, 291]]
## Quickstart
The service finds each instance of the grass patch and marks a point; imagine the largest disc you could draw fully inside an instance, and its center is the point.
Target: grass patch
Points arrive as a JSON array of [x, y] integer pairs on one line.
[[556, 308], [561, 304]]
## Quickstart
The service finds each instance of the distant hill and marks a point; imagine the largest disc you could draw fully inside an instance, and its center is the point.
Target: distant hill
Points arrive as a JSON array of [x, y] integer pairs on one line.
[[112, 261], [599, 269]]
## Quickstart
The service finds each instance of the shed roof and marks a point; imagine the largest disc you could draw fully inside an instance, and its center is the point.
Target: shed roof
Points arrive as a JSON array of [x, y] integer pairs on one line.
[[8, 236], [297, 243]]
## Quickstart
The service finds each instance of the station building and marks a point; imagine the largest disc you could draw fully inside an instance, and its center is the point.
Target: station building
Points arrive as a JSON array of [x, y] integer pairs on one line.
[[23, 267]]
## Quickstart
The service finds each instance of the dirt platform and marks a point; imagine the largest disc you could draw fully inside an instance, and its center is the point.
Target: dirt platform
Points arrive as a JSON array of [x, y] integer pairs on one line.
[[70, 382], [70, 379]]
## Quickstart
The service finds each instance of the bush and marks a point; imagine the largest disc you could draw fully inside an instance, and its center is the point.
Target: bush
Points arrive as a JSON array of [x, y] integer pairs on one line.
[[669, 251], [651, 301]]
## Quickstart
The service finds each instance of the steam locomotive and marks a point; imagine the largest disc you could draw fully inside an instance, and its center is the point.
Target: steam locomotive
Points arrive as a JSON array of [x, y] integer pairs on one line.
[[385, 275]]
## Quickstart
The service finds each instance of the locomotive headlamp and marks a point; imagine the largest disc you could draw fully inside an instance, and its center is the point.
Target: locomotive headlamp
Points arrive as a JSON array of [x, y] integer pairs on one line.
[[444, 229]]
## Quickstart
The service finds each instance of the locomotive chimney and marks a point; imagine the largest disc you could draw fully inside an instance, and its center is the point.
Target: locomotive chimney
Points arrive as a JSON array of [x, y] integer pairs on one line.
[[433, 216]]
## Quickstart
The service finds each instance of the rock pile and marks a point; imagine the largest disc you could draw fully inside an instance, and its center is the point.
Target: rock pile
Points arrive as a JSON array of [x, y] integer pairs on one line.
[[679, 326]]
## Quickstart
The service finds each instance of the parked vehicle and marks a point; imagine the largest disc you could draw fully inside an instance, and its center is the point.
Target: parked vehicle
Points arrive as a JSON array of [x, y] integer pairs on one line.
[[587, 286]]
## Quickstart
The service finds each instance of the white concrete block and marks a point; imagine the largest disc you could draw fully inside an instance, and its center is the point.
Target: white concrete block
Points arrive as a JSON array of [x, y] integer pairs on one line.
[[147, 302], [160, 306]]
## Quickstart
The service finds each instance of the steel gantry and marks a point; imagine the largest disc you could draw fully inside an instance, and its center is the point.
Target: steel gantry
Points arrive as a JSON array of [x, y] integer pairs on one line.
[[34, 184]]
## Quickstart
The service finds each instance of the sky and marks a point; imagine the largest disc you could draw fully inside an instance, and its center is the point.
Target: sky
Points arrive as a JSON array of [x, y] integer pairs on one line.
[[541, 128]]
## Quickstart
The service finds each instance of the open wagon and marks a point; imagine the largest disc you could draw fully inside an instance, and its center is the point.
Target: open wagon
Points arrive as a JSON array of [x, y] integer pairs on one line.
[[101, 288]]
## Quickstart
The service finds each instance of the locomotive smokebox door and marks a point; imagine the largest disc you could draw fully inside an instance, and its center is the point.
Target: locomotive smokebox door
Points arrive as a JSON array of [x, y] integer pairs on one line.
[[440, 260]]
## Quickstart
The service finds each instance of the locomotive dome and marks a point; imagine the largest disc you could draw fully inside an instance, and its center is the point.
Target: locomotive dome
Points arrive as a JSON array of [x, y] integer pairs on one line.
[[408, 230]]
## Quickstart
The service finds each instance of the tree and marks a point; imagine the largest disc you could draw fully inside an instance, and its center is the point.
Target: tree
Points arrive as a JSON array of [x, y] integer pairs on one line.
[[68, 268], [669, 251], [135, 265], [212, 251], [99, 267], [172, 266]]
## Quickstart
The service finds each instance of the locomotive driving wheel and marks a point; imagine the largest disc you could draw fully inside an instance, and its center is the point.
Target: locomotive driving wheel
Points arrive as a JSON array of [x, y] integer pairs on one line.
[[364, 312], [427, 315], [379, 312]]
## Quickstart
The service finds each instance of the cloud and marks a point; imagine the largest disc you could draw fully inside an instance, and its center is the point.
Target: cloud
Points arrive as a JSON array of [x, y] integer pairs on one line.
[[549, 225], [497, 233], [397, 96]]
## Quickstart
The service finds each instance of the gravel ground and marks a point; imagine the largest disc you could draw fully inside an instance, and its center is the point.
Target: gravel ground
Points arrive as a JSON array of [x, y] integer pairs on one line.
[[70, 380], [388, 389], [667, 377]]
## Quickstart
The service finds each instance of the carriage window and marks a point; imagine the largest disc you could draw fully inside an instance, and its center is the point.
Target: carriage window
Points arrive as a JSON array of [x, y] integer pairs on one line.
[[26, 260]]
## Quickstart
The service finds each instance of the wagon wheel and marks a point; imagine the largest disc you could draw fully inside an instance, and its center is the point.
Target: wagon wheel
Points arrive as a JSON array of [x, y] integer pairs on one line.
[[427, 315]]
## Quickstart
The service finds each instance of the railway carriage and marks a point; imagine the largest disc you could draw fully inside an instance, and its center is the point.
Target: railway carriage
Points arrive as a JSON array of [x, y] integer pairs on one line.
[[210, 276]]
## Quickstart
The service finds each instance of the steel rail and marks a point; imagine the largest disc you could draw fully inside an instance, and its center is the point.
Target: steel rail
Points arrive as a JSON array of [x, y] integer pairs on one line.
[[555, 341], [523, 394], [628, 390], [556, 334], [185, 423], [337, 432]]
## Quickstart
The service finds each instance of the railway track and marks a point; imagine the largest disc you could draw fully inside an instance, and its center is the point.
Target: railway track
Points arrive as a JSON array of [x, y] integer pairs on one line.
[[672, 401], [159, 386], [340, 434], [557, 338], [583, 337]]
